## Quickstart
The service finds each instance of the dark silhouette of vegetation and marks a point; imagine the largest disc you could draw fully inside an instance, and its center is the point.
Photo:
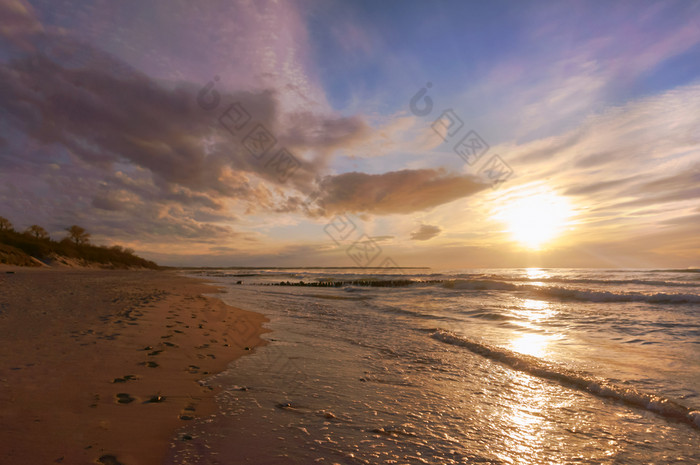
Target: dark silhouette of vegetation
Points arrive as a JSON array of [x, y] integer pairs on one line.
[[78, 235], [37, 231], [5, 224], [18, 249]]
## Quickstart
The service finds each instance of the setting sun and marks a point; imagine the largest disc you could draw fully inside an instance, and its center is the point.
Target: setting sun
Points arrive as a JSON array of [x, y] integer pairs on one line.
[[537, 219]]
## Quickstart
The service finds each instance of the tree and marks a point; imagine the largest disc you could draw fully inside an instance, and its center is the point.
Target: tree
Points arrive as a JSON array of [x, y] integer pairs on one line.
[[5, 224], [37, 231], [78, 235]]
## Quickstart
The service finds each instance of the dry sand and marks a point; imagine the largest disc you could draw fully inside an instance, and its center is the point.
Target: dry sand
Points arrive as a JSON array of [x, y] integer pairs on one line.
[[74, 343]]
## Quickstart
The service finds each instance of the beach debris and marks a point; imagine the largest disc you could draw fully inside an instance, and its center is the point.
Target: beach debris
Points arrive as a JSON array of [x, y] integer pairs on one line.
[[289, 406], [124, 398], [155, 399]]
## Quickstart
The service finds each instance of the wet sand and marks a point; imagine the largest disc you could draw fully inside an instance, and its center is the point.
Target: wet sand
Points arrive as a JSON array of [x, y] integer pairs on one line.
[[104, 366]]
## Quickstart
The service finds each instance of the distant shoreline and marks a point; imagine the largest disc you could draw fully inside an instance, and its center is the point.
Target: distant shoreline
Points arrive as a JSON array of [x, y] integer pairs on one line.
[[189, 268]]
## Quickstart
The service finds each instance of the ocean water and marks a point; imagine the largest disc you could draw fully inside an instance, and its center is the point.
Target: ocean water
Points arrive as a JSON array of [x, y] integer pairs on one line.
[[413, 366]]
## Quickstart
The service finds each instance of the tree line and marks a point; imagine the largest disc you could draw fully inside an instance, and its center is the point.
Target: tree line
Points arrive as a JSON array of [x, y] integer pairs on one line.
[[36, 242]]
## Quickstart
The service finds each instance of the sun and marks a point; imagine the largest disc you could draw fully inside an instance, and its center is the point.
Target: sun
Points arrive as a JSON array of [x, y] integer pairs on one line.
[[536, 219]]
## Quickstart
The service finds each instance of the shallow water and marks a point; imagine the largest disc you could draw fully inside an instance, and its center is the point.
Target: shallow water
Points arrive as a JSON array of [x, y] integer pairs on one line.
[[477, 366]]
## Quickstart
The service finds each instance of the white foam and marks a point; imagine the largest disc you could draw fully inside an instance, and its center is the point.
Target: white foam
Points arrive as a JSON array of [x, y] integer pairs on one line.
[[572, 294], [603, 388]]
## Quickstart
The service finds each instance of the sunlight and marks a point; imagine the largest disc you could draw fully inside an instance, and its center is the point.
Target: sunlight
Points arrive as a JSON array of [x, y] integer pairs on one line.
[[535, 310], [536, 273], [537, 219], [531, 344]]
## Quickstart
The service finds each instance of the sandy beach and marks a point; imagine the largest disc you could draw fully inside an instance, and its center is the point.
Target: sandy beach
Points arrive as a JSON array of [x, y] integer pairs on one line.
[[104, 366]]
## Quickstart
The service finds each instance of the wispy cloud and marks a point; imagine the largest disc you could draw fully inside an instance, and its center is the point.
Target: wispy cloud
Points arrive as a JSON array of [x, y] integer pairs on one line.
[[425, 232]]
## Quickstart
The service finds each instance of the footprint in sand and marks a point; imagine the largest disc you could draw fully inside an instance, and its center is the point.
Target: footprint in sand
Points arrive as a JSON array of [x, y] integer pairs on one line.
[[109, 460], [124, 398], [124, 379], [149, 364]]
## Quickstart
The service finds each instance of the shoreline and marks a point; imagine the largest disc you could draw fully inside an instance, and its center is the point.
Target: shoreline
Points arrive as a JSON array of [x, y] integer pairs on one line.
[[103, 366]]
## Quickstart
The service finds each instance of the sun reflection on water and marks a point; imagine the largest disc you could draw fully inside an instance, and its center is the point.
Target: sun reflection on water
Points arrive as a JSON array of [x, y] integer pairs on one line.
[[531, 313], [531, 344], [524, 413], [534, 275], [535, 310]]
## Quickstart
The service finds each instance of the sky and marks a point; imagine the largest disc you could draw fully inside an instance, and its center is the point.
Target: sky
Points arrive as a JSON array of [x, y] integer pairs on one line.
[[446, 134]]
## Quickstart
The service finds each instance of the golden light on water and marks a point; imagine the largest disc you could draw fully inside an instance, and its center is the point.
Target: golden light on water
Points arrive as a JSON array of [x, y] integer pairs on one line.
[[536, 273], [534, 310], [530, 312], [531, 344], [535, 219]]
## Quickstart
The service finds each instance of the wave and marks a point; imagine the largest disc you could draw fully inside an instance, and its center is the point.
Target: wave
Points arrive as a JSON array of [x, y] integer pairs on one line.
[[481, 285], [608, 282], [572, 294], [660, 405], [679, 270]]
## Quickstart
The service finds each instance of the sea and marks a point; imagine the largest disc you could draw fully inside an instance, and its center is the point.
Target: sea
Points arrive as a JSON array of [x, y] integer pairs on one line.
[[490, 366]]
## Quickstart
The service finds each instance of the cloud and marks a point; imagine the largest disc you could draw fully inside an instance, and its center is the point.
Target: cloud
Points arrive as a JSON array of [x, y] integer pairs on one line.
[[139, 142], [425, 232], [593, 187], [18, 23], [404, 191], [104, 119], [107, 145]]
